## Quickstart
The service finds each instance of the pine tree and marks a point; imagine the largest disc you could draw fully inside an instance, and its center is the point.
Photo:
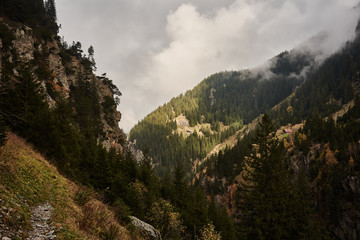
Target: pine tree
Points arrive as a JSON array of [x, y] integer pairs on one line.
[[179, 184], [91, 58], [3, 129], [51, 15], [266, 199]]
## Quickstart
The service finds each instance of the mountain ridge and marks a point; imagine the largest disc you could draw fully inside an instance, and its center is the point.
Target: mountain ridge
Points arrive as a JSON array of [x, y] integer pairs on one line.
[[228, 98]]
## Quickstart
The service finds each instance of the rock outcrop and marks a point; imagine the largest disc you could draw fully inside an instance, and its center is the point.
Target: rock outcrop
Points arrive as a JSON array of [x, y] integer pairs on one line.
[[148, 231], [349, 224], [57, 70]]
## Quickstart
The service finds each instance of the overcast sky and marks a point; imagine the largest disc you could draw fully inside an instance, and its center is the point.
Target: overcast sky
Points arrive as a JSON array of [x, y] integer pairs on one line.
[[154, 50]]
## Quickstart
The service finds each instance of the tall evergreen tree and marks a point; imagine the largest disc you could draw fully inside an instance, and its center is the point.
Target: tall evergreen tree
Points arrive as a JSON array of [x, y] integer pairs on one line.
[[3, 129], [266, 199], [51, 15]]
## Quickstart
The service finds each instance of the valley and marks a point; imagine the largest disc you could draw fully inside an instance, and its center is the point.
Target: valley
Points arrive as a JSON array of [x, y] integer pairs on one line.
[[271, 152]]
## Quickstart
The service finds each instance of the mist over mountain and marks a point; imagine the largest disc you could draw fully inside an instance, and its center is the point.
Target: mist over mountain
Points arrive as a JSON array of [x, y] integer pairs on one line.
[[215, 132], [229, 99], [165, 48]]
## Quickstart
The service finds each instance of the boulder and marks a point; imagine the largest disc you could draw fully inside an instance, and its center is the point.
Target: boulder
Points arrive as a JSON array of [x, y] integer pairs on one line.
[[148, 231]]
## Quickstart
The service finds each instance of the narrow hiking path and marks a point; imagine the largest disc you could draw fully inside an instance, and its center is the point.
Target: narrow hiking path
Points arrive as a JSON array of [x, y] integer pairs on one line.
[[41, 223]]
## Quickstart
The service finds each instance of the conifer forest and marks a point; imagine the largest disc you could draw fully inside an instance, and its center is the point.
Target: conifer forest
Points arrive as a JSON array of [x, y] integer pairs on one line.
[[271, 152]]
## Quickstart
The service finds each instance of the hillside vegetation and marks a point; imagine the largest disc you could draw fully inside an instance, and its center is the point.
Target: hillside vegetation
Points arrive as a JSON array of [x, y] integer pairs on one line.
[[318, 128], [304, 151], [51, 97], [28, 180], [271, 152], [218, 106]]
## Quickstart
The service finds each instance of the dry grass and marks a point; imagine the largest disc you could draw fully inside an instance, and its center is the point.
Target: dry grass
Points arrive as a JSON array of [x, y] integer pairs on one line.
[[98, 220], [27, 180]]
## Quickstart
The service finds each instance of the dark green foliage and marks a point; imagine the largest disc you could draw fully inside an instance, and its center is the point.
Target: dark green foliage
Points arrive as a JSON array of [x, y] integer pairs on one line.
[[190, 200], [82, 196], [277, 205], [69, 132], [6, 35], [15, 9], [87, 107], [65, 59], [342, 139], [327, 89], [3, 129], [269, 202], [51, 15], [341, 135], [222, 221], [109, 106], [34, 13], [22, 104], [353, 114], [75, 50], [230, 98], [91, 58], [122, 211], [111, 85], [110, 234]]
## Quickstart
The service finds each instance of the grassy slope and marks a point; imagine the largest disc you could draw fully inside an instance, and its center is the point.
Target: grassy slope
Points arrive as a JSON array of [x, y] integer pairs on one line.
[[27, 180]]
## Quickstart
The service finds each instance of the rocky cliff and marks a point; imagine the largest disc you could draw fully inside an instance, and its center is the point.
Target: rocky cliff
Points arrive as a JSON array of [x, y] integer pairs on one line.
[[59, 68]]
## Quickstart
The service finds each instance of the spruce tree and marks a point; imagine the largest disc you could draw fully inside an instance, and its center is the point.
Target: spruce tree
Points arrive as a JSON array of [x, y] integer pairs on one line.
[[3, 129], [267, 198], [51, 15]]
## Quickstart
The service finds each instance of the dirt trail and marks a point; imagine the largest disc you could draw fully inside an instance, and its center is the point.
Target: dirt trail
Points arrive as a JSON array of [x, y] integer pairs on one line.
[[41, 222]]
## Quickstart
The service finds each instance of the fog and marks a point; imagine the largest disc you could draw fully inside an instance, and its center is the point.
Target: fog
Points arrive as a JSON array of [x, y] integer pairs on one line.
[[154, 50]]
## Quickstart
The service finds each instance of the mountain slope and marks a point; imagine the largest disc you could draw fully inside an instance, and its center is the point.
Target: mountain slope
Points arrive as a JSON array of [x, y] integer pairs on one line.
[[27, 180], [323, 146], [189, 126], [334, 84], [50, 96]]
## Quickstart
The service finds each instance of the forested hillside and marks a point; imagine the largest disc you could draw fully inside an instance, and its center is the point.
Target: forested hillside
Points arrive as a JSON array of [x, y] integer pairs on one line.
[[334, 84], [292, 170], [305, 151], [215, 109], [50, 96], [319, 133]]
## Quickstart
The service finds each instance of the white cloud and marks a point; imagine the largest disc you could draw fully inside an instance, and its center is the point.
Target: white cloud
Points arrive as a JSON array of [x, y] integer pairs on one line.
[[155, 50]]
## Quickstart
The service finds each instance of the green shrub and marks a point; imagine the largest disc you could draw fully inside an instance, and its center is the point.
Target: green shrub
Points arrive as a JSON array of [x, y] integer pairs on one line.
[[122, 211], [6, 35], [110, 234], [83, 196]]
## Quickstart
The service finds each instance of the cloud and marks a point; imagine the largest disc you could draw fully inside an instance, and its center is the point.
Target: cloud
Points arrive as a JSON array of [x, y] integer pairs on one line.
[[155, 50]]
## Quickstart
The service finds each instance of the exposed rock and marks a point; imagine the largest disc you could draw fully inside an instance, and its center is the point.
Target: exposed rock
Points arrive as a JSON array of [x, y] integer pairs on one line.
[[61, 73], [111, 129], [349, 224], [145, 229], [212, 97], [58, 71], [138, 154], [24, 43], [352, 186], [41, 223]]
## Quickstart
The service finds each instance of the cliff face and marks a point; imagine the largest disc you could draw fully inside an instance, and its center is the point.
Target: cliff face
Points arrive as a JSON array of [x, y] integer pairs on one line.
[[59, 69]]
